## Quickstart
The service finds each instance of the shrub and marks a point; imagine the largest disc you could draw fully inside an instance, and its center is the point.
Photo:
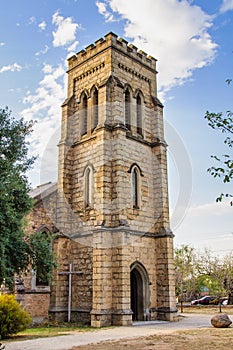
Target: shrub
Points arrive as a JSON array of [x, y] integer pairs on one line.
[[13, 318]]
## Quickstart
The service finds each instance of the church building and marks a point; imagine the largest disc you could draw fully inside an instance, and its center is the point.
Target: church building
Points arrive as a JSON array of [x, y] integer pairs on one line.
[[109, 209]]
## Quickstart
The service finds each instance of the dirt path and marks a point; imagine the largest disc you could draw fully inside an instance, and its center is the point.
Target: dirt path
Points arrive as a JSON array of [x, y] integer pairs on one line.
[[204, 339], [152, 335]]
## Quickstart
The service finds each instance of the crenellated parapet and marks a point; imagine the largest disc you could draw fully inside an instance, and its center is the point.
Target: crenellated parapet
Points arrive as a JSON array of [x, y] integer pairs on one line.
[[117, 43]]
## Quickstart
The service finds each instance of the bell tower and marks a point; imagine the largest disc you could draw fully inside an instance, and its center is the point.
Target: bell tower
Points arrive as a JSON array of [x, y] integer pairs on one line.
[[112, 184]]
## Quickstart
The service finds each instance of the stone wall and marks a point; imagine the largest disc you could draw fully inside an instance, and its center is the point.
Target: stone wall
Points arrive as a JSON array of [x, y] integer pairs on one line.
[[36, 303], [68, 251]]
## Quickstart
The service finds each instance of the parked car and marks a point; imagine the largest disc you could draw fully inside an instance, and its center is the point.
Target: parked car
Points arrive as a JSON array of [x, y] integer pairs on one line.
[[206, 300], [223, 300]]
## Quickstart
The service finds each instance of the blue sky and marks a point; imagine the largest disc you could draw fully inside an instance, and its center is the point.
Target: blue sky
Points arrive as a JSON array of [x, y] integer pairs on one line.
[[193, 43]]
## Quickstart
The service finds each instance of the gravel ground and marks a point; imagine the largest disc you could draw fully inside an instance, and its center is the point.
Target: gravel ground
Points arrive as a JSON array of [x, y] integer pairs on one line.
[[139, 329]]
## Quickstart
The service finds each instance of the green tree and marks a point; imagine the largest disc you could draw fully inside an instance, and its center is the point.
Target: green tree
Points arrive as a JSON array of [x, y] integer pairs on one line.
[[185, 278], [208, 270], [224, 168], [15, 201], [219, 271], [198, 271], [43, 259], [226, 276]]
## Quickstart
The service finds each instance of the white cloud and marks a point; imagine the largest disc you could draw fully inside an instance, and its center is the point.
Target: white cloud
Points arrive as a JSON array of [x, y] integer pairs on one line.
[[42, 52], [2, 43], [207, 225], [42, 25], [47, 69], [175, 32], [211, 209], [44, 106], [102, 8], [48, 96], [73, 46], [12, 68], [32, 20], [66, 30], [227, 5]]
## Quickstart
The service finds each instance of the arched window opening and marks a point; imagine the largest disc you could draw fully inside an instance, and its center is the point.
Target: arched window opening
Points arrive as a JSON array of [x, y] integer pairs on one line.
[[127, 110], [135, 187], [88, 188], [84, 115], [95, 109], [139, 115], [41, 273], [41, 244]]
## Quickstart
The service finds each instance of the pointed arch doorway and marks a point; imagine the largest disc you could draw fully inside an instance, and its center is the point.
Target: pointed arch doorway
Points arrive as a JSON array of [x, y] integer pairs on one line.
[[139, 292]]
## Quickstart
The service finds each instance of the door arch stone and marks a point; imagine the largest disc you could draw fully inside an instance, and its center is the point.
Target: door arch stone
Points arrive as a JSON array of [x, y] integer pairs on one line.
[[139, 292]]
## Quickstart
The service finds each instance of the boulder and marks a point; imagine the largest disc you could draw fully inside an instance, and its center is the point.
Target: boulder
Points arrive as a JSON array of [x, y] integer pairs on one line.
[[221, 321]]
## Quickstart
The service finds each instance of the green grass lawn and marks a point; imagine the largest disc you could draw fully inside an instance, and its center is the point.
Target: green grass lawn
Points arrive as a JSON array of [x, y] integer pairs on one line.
[[49, 330]]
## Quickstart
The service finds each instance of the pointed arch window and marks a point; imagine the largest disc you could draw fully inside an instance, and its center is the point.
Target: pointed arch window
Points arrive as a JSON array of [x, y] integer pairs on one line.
[[127, 109], [83, 126], [42, 268], [135, 178], [95, 109], [88, 179], [139, 114]]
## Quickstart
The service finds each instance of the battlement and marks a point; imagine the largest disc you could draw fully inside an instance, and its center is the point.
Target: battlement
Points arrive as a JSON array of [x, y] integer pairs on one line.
[[112, 40]]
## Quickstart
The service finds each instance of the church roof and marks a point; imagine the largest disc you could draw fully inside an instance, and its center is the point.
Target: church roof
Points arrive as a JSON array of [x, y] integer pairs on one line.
[[43, 190]]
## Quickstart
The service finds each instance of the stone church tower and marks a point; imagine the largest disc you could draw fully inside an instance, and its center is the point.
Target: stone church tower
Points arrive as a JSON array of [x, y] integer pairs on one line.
[[112, 204]]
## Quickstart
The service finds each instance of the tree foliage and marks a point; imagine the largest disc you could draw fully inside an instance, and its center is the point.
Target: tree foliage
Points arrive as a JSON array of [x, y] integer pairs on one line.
[[184, 268], [227, 276], [224, 168], [198, 272], [43, 260], [15, 202], [18, 252]]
